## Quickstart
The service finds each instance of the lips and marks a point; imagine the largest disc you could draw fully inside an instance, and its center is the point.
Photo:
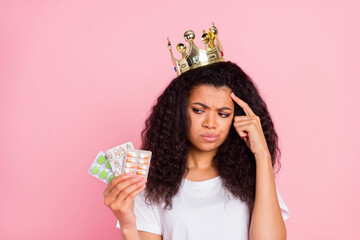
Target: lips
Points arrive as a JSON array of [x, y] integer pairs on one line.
[[209, 137]]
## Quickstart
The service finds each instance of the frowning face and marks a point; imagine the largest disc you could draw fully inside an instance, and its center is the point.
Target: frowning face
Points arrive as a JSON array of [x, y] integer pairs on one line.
[[211, 112]]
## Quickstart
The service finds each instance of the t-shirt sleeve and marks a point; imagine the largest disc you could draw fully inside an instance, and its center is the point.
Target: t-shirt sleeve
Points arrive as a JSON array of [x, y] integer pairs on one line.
[[284, 209], [147, 216]]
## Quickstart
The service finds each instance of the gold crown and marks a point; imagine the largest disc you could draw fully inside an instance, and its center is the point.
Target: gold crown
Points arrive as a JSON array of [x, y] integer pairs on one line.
[[196, 57]]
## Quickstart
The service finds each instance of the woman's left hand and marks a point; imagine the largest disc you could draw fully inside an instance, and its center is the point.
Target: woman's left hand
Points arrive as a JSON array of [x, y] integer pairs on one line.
[[249, 128]]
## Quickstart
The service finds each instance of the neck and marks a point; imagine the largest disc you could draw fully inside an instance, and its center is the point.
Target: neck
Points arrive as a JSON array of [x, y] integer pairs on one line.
[[200, 165]]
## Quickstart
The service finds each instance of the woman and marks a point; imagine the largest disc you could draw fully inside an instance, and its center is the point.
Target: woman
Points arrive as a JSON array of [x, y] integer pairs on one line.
[[213, 147]]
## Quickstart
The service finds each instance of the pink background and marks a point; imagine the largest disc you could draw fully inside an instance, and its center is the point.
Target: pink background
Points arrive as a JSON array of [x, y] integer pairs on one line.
[[81, 76]]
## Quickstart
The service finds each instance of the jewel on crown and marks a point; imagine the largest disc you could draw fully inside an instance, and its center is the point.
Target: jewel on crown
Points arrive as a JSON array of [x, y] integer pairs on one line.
[[196, 57]]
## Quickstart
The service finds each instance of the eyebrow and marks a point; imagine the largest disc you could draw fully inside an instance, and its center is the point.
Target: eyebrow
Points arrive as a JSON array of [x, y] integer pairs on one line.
[[207, 107]]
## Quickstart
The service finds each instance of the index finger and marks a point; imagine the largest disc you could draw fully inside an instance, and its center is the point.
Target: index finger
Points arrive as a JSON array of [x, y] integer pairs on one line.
[[115, 181], [242, 104]]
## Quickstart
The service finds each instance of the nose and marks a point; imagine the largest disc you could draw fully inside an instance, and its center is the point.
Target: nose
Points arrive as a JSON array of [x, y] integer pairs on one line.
[[210, 121]]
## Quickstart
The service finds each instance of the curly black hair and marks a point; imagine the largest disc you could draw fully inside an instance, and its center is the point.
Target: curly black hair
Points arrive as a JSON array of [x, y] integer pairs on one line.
[[166, 136]]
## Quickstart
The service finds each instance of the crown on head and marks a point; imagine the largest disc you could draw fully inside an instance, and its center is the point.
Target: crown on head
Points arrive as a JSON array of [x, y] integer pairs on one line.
[[196, 57]]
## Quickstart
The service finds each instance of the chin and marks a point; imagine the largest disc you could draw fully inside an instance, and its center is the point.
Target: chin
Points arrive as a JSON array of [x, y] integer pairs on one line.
[[207, 147]]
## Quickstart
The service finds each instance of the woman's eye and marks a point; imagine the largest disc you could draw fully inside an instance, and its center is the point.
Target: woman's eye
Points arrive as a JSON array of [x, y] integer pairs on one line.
[[195, 110], [224, 115]]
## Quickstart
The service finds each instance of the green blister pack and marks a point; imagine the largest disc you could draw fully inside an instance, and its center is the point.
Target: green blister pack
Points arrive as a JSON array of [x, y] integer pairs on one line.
[[100, 168]]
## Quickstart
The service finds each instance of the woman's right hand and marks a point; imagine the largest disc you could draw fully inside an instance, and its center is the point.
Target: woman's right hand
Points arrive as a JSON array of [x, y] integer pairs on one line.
[[119, 197]]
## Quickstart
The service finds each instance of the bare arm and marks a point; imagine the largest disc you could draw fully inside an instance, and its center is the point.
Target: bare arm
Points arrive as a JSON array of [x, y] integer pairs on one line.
[[119, 197], [130, 234], [266, 219]]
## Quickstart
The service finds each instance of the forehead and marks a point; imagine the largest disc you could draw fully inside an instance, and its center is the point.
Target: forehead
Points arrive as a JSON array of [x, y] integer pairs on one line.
[[212, 96]]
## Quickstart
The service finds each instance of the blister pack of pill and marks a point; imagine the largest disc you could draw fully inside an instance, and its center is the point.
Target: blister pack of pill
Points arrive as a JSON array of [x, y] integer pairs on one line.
[[116, 157], [118, 160], [103, 167], [137, 162]]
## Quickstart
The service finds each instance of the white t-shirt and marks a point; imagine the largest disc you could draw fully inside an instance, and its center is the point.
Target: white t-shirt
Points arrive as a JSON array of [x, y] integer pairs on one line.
[[200, 210]]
